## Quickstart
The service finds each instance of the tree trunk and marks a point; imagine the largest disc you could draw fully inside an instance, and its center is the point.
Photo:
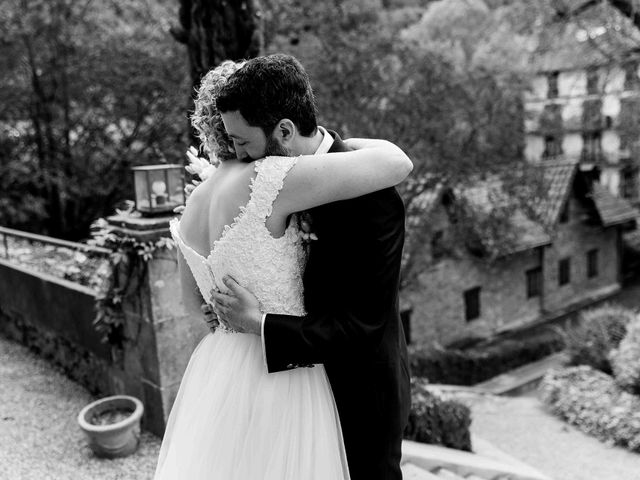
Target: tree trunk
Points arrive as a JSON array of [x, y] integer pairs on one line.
[[217, 30]]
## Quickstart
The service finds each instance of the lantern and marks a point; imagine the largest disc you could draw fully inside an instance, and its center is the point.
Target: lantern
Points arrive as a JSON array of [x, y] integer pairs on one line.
[[158, 188]]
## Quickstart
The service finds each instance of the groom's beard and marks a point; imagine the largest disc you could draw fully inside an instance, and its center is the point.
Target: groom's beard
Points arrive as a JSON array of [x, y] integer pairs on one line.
[[276, 149], [272, 148]]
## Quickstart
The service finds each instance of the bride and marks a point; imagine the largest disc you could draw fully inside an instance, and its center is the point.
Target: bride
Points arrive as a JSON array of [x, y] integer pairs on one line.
[[231, 419]]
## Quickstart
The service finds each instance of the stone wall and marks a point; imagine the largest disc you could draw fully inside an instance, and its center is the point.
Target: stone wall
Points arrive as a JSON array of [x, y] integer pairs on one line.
[[438, 302], [573, 240], [54, 318], [438, 306]]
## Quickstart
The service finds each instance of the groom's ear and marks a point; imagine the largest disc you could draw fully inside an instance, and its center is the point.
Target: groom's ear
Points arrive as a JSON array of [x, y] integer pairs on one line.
[[286, 130]]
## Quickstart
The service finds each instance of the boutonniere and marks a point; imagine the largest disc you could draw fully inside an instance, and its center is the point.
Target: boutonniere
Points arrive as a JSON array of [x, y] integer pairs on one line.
[[305, 224]]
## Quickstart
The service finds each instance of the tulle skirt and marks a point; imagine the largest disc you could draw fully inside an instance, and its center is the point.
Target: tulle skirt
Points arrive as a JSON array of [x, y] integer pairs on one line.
[[231, 420]]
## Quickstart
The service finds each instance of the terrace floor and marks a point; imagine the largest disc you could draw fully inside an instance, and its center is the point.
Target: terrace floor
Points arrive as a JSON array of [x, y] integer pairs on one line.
[[40, 439]]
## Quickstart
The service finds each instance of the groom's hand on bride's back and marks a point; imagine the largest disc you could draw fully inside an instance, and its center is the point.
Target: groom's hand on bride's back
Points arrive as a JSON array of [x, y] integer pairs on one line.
[[238, 309], [210, 317]]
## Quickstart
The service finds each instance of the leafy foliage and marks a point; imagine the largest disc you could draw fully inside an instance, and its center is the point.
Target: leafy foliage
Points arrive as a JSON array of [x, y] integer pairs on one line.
[[625, 360], [478, 363], [89, 89], [591, 400], [128, 268], [597, 332], [436, 420], [390, 73]]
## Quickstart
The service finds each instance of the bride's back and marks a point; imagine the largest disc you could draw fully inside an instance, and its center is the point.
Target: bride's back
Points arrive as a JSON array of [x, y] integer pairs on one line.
[[224, 231], [216, 203]]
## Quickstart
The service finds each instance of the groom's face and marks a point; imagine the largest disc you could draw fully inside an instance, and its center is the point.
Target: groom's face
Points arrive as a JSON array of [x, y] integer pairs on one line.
[[250, 142]]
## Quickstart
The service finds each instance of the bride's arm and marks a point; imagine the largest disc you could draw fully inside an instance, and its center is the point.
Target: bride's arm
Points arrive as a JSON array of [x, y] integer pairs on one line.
[[318, 179]]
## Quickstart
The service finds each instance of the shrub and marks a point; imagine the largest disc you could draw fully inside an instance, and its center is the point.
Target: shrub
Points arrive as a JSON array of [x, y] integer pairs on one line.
[[599, 330], [437, 421], [479, 363], [591, 400], [625, 360]]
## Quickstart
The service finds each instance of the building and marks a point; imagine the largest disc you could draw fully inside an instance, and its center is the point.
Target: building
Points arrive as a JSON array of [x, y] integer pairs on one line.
[[584, 101], [569, 257]]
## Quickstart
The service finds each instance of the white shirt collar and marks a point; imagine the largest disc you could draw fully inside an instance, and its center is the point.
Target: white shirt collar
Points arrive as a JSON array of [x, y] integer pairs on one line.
[[327, 141]]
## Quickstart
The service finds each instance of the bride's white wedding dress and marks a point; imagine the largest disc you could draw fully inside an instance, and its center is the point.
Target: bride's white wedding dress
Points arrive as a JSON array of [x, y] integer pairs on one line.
[[231, 420]]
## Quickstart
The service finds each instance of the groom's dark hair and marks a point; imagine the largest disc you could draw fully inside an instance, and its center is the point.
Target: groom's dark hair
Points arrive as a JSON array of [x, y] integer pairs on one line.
[[266, 90]]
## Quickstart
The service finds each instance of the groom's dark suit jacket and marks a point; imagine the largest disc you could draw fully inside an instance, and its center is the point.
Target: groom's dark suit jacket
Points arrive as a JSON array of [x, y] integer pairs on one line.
[[353, 325]]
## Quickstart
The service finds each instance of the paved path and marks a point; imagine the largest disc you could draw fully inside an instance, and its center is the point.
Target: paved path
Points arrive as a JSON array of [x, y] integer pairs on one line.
[[522, 428], [39, 436]]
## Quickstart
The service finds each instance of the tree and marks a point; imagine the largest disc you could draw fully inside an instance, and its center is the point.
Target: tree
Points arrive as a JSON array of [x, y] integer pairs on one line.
[[392, 74], [218, 30], [89, 89]]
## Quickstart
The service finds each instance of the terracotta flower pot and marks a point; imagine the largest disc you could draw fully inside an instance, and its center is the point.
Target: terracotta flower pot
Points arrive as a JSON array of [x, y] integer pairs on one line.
[[112, 425]]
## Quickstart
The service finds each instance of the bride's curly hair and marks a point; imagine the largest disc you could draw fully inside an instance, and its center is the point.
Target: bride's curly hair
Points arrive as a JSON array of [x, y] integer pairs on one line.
[[206, 118]]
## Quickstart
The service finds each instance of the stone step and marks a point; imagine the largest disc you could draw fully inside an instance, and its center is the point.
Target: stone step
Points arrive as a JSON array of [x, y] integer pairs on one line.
[[444, 474], [411, 472], [433, 458]]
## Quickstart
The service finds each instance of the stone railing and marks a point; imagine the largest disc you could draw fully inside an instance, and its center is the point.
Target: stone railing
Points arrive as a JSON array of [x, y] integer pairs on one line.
[[55, 318]]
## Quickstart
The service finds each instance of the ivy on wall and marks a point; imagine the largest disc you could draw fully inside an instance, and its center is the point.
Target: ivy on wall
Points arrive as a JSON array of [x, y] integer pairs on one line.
[[129, 261]]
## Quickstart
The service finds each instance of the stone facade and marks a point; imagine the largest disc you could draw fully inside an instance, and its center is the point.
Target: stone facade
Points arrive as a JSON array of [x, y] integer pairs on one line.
[[582, 106], [586, 238], [573, 240], [438, 305]]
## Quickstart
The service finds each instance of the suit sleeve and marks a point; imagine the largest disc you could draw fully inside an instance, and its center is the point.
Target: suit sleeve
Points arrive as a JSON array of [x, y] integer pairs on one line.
[[291, 341], [354, 327]]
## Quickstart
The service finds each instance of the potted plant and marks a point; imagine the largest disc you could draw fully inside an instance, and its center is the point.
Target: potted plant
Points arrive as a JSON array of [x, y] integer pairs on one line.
[[112, 425]]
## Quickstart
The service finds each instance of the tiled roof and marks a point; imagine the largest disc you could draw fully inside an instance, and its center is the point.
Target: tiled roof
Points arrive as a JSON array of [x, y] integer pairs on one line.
[[530, 233], [612, 210], [527, 232], [558, 178]]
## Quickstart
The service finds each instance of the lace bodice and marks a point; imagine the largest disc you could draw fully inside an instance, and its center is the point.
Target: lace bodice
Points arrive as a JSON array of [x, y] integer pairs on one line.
[[269, 267]]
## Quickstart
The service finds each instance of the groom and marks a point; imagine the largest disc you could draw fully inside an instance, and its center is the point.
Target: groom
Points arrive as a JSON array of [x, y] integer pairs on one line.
[[351, 278]]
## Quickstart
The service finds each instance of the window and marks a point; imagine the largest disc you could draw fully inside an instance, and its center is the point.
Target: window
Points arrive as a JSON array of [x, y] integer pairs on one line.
[[472, 304], [552, 147], [592, 263], [591, 147], [552, 82], [534, 282], [564, 271], [437, 247], [631, 79], [565, 212], [629, 187], [592, 81]]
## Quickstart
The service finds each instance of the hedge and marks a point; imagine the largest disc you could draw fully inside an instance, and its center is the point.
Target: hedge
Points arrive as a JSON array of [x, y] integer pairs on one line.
[[598, 331], [476, 364], [625, 359], [437, 421], [592, 401]]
